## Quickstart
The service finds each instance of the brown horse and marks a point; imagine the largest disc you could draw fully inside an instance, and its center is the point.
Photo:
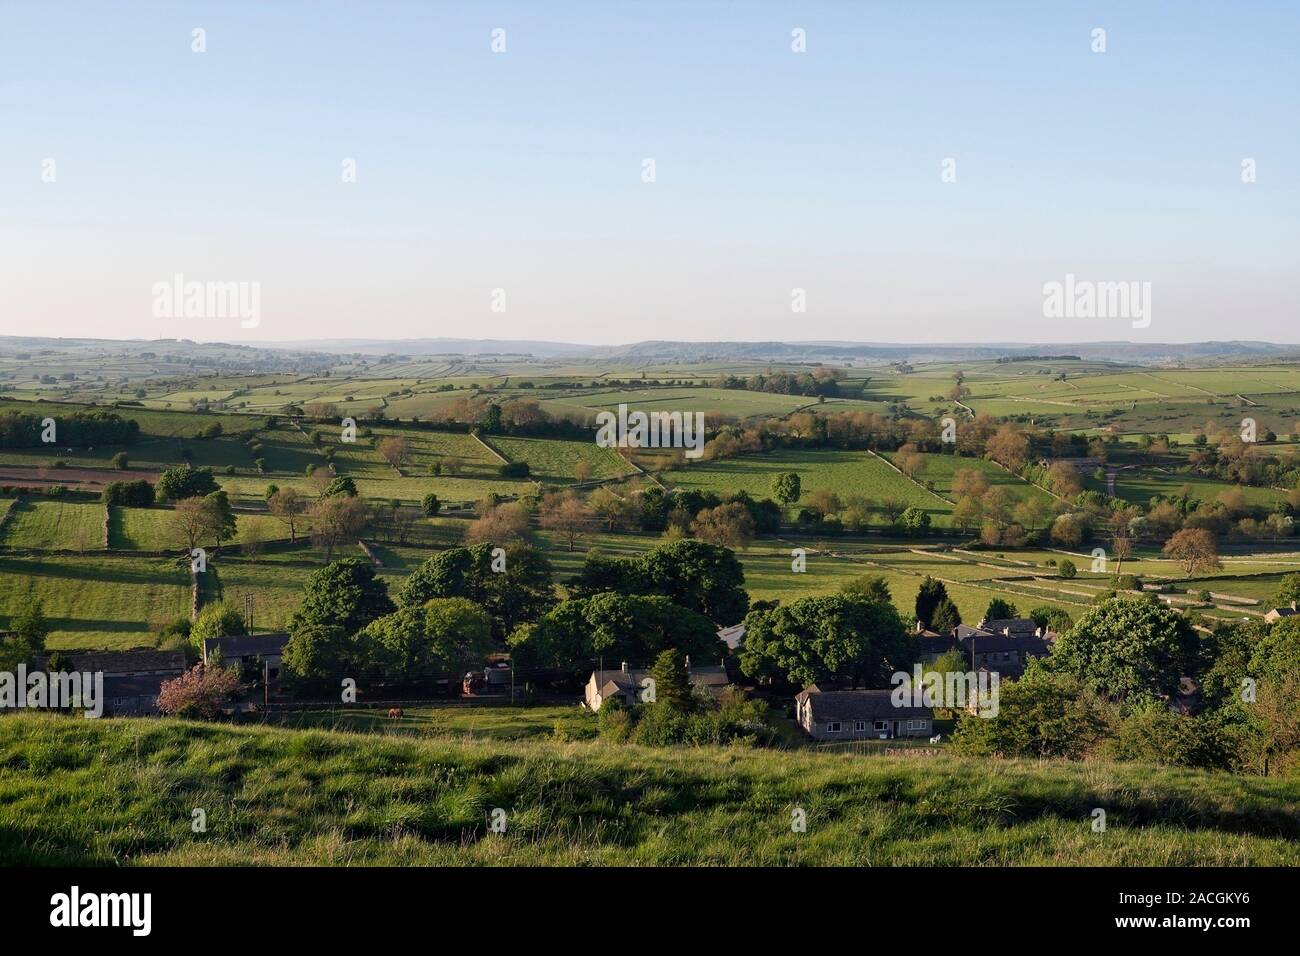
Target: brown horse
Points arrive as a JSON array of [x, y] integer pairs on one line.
[[395, 712]]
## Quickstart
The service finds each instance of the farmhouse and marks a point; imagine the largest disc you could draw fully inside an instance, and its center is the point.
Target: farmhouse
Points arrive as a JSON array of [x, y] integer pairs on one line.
[[248, 650], [1277, 613], [1004, 646], [626, 684], [132, 679], [858, 715]]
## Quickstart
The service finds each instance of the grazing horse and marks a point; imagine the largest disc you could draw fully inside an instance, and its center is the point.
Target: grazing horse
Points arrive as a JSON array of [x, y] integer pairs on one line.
[[395, 712]]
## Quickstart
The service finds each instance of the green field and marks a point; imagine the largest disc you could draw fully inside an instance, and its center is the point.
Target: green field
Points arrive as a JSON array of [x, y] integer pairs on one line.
[[845, 472], [55, 525], [119, 792], [97, 601]]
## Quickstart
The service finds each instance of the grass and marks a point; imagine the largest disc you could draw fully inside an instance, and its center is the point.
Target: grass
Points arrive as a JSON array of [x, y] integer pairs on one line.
[[554, 460], [120, 792], [97, 600], [845, 472], [55, 525]]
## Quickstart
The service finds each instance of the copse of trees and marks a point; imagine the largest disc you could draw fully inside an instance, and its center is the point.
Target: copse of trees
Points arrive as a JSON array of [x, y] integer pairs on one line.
[[860, 640], [177, 484], [703, 577], [80, 429], [634, 628], [1129, 651], [515, 586], [131, 494]]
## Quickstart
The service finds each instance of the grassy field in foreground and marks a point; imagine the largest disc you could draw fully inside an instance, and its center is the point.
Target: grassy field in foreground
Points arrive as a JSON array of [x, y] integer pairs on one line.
[[110, 792]]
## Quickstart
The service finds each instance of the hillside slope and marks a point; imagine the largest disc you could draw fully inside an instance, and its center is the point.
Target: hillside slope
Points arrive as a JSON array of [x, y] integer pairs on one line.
[[119, 792]]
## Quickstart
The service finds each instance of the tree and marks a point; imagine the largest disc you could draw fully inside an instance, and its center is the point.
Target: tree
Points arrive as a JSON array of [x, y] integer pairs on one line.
[[703, 577], [131, 494], [729, 526], [825, 501], [914, 522], [217, 619], [513, 469], [868, 586], [969, 483], [1009, 447], [928, 597], [341, 486], [289, 506], [430, 505], [566, 516], [1043, 714], [1067, 531], [826, 637], [671, 682], [1195, 548], [200, 692], [196, 519], [575, 635], [1066, 569], [946, 617], [441, 636], [221, 517], [395, 450], [176, 484], [785, 487], [335, 520], [28, 630], [1288, 593], [343, 594], [1000, 610], [522, 591], [1051, 618], [121, 461], [615, 511], [1063, 478], [967, 513], [1129, 651], [582, 470], [909, 460], [499, 525]]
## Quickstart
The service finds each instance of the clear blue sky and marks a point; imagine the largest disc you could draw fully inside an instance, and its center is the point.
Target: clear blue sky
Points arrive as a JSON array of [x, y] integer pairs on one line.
[[775, 170]]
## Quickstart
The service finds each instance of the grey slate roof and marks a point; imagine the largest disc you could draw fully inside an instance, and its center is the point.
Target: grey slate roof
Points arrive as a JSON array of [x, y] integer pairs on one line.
[[148, 659], [254, 645], [859, 705]]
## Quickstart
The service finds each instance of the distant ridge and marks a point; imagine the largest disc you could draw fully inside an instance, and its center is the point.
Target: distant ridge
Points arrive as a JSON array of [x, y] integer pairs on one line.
[[1134, 353]]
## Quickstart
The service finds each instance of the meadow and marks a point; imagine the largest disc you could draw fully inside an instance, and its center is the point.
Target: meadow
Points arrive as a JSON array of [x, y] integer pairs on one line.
[[121, 792]]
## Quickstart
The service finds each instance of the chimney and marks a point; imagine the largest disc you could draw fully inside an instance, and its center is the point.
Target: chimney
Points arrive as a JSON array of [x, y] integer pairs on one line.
[[623, 667]]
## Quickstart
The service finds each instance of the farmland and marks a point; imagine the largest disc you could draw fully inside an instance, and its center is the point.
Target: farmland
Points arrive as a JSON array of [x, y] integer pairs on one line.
[[264, 440]]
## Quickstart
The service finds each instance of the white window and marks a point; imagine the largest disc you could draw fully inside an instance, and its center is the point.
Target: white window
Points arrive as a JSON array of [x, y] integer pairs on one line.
[[916, 724], [833, 727], [859, 726], [881, 725]]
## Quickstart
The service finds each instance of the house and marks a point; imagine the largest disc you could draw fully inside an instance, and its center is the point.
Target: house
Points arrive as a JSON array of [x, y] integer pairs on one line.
[[249, 650], [1277, 613], [932, 645], [1004, 646], [732, 636], [626, 683], [132, 679], [859, 715]]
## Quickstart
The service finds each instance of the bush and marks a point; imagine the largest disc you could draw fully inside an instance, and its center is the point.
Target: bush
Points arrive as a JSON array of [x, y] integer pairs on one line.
[[514, 469], [131, 494], [120, 461], [1066, 569]]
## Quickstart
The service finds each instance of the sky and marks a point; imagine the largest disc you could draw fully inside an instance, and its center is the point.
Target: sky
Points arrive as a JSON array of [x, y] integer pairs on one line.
[[919, 173]]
